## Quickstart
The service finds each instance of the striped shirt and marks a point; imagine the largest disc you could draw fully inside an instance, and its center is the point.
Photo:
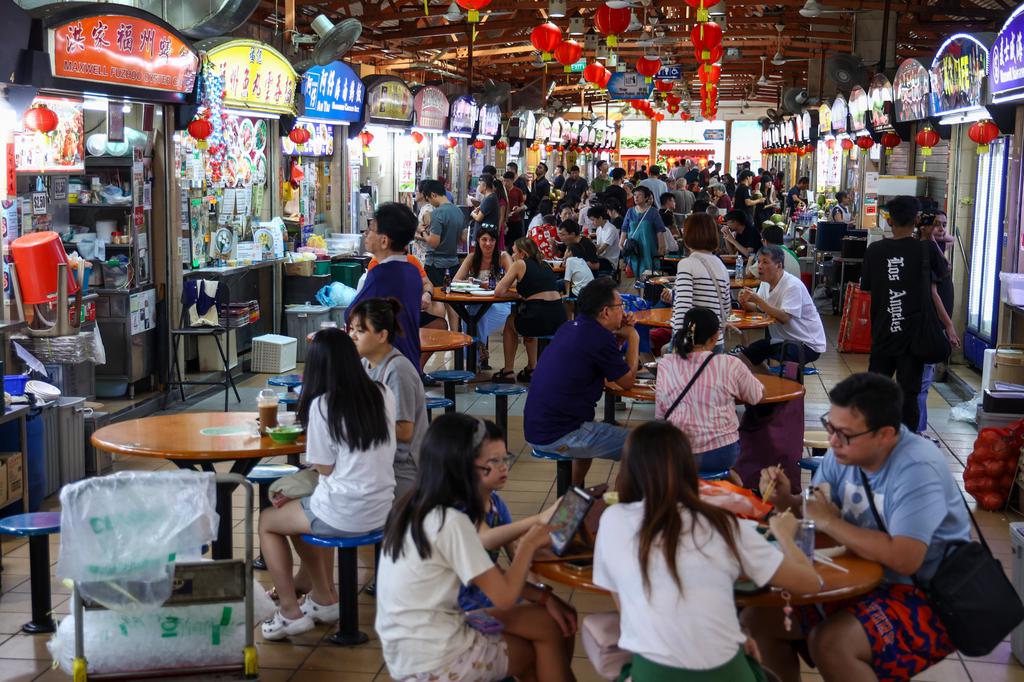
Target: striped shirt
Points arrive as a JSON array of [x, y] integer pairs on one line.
[[694, 287], [707, 415]]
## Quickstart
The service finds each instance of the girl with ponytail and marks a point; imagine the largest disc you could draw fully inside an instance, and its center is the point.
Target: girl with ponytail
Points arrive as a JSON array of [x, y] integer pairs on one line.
[[697, 391]]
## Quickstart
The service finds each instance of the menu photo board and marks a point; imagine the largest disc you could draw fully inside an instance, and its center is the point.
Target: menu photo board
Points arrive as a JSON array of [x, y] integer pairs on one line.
[[63, 150], [430, 108], [543, 133], [333, 94], [256, 76], [320, 143], [807, 124], [122, 48], [911, 92], [388, 101], [464, 112], [1006, 70], [839, 112], [490, 121], [958, 75], [880, 102], [557, 133], [858, 109], [629, 85], [824, 120]]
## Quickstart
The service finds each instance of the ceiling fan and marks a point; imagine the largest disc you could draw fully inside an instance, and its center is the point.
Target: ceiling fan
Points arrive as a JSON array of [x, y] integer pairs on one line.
[[455, 14], [812, 9], [619, 4], [762, 80], [779, 59]]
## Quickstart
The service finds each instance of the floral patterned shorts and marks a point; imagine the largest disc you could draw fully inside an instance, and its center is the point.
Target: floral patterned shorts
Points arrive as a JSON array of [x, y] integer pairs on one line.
[[485, 661]]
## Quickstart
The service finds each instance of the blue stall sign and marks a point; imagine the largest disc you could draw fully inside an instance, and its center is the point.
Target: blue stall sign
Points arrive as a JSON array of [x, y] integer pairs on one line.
[[333, 93], [1007, 59], [629, 85], [670, 72]]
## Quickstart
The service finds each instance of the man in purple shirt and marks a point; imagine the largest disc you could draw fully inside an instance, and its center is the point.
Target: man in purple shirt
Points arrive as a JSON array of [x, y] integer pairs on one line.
[[570, 377], [392, 228]]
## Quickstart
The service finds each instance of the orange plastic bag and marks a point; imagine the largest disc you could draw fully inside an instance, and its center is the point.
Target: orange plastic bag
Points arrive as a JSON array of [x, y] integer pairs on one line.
[[735, 499]]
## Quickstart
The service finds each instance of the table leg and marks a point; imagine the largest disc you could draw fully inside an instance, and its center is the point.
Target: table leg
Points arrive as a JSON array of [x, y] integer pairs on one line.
[[609, 407], [222, 545], [39, 572], [471, 321], [501, 413]]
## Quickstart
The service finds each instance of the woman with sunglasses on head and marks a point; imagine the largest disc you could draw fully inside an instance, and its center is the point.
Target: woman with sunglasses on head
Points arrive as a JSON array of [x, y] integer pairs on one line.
[[671, 561], [431, 548]]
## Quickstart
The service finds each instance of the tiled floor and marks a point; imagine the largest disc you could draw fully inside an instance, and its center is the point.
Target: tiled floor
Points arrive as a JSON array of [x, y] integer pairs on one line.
[[530, 488]]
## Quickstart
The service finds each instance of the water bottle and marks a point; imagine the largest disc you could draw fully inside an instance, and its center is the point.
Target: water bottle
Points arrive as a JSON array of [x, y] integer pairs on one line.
[[447, 284], [491, 282], [739, 266]]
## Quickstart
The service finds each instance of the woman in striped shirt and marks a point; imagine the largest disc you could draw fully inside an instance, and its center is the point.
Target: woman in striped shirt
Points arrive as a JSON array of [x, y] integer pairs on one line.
[[707, 411]]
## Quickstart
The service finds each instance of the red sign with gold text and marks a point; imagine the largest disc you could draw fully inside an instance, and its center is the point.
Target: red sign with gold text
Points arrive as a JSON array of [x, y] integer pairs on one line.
[[123, 50]]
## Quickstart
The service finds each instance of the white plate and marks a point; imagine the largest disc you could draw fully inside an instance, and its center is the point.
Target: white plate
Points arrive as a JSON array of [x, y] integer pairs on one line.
[[42, 390], [482, 292]]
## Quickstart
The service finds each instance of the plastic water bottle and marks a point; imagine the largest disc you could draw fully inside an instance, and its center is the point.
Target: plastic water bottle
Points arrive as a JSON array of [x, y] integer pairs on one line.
[[491, 282], [739, 266], [446, 286]]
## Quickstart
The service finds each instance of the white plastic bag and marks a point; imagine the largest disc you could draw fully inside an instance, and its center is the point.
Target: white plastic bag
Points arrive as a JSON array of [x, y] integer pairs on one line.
[[121, 534]]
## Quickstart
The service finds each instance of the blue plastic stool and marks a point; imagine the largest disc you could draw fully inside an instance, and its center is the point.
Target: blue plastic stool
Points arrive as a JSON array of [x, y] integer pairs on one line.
[[501, 392], [450, 378], [810, 463], [436, 403], [289, 381], [715, 475], [290, 401], [348, 633], [36, 526], [563, 469]]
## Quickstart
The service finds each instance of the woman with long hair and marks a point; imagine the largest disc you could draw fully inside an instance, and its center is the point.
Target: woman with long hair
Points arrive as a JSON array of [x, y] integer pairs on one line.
[[707, 411], [540, 314], [486, 262], [431, 548], [350, 441], [489, 212], [671, 560], [932, 229]]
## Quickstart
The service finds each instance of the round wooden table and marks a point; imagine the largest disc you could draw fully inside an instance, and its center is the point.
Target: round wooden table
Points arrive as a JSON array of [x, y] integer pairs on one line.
[[662, 317], [744, 283], [197, 441], [776, 390], [460, 302], [434, 340]]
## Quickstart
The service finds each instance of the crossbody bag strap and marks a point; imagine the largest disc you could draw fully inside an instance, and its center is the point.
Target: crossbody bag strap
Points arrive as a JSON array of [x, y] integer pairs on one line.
[[686, 390], [640, 223], [718, 287]]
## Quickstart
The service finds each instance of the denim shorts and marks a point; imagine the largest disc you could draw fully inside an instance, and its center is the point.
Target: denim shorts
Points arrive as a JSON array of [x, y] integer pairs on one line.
[[719, 459], [318, 527], [593, 440]]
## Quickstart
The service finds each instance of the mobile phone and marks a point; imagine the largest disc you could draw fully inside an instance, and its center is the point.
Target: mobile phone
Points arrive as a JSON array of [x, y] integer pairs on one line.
[[482, 621]]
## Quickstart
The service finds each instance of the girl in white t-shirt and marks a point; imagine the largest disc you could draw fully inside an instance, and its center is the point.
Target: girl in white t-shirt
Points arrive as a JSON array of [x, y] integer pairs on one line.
[[577, 273], [431, 548], [670, 561], [350, 441]]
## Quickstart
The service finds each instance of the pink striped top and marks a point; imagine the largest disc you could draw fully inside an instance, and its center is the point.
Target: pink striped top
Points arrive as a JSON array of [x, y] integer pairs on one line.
[[707, 415]]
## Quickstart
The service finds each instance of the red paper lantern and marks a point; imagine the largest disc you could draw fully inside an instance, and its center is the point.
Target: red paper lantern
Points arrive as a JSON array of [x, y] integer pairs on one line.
[[473, 8], [671, 99], [847, 144], [672, 108], [199, 129], [366, 137], [501, 144], [478, 144], [706, 36], [610, 22], [830, 143], [709, 73], [702, 8], [648, 67], [715, 54], [561, 148], [417, 136], [549, 148], [545, 38], [982, 133], [685, 115], [890, 140], [452, 143], [865, 142], [606, 77], [809, 149], [659, 117], [300, 136], [592, 73], [568, 53], [663, 85], [43, 119]]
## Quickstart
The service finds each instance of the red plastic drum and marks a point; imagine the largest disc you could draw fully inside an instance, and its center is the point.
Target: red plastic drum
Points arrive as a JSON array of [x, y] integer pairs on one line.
[[36, 257]]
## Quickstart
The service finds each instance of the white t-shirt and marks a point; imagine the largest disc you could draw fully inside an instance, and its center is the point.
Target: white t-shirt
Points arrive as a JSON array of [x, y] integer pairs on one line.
[[420, 624], [579, 273], [697, 628], [791, 296], [357, 496], [609, 235], [537, 221]]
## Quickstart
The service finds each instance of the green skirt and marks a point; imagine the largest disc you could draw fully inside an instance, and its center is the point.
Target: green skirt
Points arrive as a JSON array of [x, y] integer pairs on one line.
[[741, 668]]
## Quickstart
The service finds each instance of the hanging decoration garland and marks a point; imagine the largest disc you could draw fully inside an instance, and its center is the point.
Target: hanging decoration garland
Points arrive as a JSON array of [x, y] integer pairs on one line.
[[211, 99]]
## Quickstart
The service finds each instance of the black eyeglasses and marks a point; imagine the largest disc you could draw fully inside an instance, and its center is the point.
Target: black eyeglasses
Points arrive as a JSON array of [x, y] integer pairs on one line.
[[843, 437]]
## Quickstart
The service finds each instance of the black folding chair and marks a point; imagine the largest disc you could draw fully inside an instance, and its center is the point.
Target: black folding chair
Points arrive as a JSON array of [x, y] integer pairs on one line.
[[190, 296]]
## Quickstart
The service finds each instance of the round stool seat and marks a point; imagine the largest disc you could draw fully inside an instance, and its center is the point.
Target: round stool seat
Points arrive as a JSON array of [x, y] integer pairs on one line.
[[715, 475], [286, 380], [289, 399], [27, 525], [455, 375], [435, 403], [371, 538], [501, 389], [553, 456], [267, 473], [816, 439], [809, 463]]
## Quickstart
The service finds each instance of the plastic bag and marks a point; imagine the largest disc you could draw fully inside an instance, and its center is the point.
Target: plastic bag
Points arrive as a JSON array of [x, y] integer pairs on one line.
[[739, 501], [336, 294], [121, 534], [966, 411]]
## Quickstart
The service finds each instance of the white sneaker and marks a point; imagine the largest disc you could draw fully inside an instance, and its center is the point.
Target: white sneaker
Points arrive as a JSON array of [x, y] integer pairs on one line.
[[318, 612], [278, 627]]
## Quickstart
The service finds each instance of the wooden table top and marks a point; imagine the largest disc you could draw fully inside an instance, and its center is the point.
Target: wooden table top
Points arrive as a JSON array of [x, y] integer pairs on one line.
[[863, 577], [456, 297], [776, 390], [436, 340], [745, 283], [197, 436], [662, 317]]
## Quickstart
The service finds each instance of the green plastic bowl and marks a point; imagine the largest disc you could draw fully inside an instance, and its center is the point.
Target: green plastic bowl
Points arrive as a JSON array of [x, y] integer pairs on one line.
[[285, 434]]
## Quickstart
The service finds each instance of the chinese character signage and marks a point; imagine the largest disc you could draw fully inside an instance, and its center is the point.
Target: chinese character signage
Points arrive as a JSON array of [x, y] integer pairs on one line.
[[880, 102], [839, 115], [320, 143], [490, 120], [256, 76], [333, 93], [463, 115], [431, 108], [824, 120], [858, 109], [958, 75], [1007, 67], [388, 101], [125, 50], [911, 90], [63, 150]]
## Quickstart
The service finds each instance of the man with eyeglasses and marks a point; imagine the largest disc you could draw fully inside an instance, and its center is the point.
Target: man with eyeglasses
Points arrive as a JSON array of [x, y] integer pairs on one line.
[[891, 632]]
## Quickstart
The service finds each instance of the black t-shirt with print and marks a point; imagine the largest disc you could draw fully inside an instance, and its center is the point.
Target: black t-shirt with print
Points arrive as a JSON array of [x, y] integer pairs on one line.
[[740, 201], [892, 274]]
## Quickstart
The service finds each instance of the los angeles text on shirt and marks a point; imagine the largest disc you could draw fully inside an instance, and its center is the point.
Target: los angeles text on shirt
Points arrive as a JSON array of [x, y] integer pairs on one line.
[[894, 267]]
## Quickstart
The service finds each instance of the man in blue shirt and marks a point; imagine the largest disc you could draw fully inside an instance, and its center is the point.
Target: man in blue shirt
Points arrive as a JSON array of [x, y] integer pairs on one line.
[[392, 228], [891, 632], [570, 377], [794, 197]]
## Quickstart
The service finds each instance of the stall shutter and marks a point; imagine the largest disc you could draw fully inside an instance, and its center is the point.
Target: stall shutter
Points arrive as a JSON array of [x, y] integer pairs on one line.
[[938, 168], [898, 162]]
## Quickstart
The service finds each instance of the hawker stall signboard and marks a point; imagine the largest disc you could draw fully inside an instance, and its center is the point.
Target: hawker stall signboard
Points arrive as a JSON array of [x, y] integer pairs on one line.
[[430, 108], [543, 129], [1006, 71], [464, 112], [388, 101], [858, 109], [522, 125], [880, 102], [333, 94], [824, 120], [61, 151], [256, 76], [958, 75], [122, 50], [839, 115], [911, 91], [490, 121]]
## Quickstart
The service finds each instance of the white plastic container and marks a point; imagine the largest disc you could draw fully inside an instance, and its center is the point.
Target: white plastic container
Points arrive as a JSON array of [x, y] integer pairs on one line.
[[1011, 288], [273, 354]]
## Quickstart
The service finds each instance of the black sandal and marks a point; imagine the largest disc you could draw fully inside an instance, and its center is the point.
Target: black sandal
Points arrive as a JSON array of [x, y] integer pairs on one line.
[[503, 377], [525, 375]]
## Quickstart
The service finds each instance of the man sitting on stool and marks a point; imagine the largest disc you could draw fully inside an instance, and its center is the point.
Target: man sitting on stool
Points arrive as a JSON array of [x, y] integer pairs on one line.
[[785, 298], [570, 376]]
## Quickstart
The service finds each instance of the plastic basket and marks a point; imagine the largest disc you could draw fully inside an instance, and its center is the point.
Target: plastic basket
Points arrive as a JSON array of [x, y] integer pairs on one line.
[[273, 354], [15, 383], [855, 326]]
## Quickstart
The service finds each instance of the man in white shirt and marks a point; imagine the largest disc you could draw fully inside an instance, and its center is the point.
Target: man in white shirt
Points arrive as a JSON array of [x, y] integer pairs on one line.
[[785, 298], [656, 185], [607, 236]]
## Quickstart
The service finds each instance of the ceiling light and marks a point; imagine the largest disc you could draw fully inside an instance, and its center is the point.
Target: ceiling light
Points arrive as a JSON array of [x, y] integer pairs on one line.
[[717, 10], [127, 108], [778, 59], [454, 13], [556, 9], [811, 9], [634, 23], [577, 27]]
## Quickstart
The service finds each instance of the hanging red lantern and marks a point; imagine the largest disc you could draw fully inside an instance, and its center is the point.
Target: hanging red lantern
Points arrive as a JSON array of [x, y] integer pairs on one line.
[[568, 53], [847, 144], [545, 38], [659, 117], [648, 67], [561, 148], [702, 8], [714, 56], [549, 148], [809, 149], [709, 73], [501, 144], [706, 36], [472, 8], [800, 151], [300, 136], [534, 147], [926, 139], [890, 141], [663, 85], [685, 115], [606, 77], [672, 108], [366, 137], [671, 99], [982, 133], [478, 144], [42, 119], [592, 73], [199, 129], [865, 142], [452, 143], [611, 22], [417, 136]]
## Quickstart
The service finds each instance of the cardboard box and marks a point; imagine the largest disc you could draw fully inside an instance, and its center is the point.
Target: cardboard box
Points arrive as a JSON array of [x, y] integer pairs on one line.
[[13, 466], [303, 268], [3, 485]]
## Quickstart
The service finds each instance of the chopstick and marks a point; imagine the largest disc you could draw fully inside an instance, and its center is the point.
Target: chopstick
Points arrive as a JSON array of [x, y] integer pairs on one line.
[[828, 562], [769, 489]]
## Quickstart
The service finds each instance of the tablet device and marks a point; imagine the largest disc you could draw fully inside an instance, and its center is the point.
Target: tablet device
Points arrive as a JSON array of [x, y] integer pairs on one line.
[[568, 518]]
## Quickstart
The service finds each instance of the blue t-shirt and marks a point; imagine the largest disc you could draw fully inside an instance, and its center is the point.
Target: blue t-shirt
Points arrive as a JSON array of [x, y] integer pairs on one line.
[[915, 495], [569, 379], [472, 597], [399, 279]]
